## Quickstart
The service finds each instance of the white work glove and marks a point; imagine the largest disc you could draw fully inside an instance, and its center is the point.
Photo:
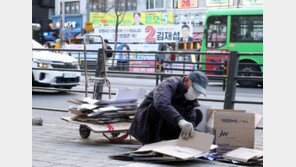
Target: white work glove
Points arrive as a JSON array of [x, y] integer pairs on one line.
[[186, 129]]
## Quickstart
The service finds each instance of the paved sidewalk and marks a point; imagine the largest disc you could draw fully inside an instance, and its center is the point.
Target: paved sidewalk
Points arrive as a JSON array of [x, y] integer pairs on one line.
[[58, 145]]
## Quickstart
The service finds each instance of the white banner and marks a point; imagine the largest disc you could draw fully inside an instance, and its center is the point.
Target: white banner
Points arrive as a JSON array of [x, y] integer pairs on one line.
[[145, 33]]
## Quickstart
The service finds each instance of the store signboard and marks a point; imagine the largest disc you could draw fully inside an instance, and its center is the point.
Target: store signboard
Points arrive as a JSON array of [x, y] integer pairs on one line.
[[73, 24], [145, 18], [143, 33], [217, 3], [187, 3], [89, 26]]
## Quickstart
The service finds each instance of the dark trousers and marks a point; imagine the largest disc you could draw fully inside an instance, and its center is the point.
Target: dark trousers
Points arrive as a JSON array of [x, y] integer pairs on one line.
[[163, 130]]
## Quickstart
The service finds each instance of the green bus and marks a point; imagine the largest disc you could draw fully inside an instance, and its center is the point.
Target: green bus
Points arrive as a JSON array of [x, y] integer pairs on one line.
[[234, 30]]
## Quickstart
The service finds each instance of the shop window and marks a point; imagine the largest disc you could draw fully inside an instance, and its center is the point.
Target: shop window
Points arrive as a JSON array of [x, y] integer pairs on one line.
[[98, 5], [71, 8], [127, 5], [216, 31], [246, 29], [51, 12]]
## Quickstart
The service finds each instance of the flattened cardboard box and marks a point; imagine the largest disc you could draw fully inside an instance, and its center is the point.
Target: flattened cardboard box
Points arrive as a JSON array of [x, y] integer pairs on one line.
[[244, 155], [179, 150], [232, 128]]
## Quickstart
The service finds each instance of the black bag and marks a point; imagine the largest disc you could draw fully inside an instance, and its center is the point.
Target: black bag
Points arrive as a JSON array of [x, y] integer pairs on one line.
[[109, 54]]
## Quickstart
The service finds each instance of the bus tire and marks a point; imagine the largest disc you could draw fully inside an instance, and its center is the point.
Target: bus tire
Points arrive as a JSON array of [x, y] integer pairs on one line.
[[248, 68]]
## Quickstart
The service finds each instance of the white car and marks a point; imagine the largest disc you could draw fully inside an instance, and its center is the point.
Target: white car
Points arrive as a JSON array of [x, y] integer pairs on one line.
[[57, 79]]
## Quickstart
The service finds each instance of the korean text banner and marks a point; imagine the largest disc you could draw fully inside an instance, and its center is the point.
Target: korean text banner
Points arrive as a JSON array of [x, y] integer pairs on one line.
[[146, 18], [143, 33]]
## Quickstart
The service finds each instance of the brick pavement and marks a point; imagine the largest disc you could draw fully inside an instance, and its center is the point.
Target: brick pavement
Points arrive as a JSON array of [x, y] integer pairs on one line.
[[58, 145]]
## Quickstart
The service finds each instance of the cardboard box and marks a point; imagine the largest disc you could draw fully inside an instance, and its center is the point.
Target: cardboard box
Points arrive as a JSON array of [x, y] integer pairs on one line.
[[244, 155], [232, 128]]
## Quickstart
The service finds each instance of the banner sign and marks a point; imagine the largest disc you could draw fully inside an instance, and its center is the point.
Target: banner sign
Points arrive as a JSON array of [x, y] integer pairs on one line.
[[135, 65], [216, 3], [73, 24], [144, 18], [89, 26], [187, 3], [142, 33]]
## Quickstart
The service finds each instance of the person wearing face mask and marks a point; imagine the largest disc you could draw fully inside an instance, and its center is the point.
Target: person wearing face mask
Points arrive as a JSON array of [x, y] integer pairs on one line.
[[168, 111]]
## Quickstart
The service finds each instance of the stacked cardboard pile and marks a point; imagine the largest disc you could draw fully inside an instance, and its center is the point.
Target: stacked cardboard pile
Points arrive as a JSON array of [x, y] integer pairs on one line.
[[120, 109]]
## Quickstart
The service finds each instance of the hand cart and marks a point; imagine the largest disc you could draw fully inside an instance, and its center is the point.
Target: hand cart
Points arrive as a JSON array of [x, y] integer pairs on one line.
[[114, 128]]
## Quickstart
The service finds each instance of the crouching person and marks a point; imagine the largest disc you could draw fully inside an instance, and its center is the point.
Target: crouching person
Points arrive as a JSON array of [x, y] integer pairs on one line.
[[169, 109]]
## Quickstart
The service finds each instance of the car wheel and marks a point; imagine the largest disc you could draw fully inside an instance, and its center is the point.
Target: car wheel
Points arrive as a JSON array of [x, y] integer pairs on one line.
[[248, 68]]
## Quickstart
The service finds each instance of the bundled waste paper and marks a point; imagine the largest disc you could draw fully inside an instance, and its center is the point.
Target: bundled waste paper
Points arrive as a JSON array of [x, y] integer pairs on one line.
[[120, 109]]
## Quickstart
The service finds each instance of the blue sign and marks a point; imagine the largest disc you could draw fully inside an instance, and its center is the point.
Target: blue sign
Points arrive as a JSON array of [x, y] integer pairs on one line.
[[73, 24], [48, 36]]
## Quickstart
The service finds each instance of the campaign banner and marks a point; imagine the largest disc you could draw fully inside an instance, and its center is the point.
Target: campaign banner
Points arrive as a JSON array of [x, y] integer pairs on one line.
[[138, 66], [215, 3], [144, 18], [143, 33], [135, 65]]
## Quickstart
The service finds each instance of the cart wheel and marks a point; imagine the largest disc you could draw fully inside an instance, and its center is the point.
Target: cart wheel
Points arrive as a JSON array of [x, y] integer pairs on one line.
[[84, 131], [115, 134], [117, 139]]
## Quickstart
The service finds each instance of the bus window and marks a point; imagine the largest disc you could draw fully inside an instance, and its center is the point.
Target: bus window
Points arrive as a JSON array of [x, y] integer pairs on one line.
[[246, 29], [216, 31]]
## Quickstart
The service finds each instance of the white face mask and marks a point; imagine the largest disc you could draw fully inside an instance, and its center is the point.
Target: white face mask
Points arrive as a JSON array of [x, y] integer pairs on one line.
[[192, 94]]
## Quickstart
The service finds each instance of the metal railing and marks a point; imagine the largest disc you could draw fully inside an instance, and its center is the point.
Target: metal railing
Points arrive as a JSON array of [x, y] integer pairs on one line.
[[230, 72]]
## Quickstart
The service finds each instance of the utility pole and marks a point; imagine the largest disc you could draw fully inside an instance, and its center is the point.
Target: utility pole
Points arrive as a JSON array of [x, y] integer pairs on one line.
[[63, 23]]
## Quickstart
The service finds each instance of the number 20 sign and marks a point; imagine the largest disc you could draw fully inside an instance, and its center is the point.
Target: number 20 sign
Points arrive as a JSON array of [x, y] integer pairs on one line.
[[187, 3]]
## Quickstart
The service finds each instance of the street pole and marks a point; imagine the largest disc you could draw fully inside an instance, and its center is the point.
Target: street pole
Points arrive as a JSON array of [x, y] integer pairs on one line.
[[63, 23]]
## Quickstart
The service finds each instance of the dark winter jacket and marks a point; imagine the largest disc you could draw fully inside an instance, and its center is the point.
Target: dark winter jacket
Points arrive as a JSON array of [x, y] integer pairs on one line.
[[158, 116]]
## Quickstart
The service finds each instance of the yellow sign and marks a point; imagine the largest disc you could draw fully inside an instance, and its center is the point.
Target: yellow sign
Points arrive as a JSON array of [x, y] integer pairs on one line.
[[144, 18], [187, 3], [89, 26]]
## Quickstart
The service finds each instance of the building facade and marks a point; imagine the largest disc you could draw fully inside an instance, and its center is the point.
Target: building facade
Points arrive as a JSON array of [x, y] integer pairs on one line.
[[190, 12], [41, 12]]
